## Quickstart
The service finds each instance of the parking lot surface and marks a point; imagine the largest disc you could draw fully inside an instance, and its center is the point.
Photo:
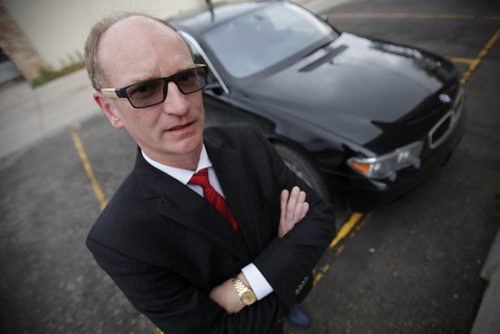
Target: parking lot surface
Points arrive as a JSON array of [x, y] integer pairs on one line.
[[409, 267]]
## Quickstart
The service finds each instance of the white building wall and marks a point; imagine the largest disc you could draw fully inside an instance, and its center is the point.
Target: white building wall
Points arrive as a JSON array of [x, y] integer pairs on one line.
[[57, 29]]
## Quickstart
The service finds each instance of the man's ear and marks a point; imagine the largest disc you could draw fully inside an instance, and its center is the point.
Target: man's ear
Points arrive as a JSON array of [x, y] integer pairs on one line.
[[109, 110]]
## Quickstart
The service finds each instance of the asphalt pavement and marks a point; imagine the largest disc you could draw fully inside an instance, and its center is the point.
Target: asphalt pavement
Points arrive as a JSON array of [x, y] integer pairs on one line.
[[412, 266]]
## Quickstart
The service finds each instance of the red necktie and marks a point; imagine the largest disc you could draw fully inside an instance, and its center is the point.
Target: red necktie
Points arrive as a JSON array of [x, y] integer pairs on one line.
[[213, 197]]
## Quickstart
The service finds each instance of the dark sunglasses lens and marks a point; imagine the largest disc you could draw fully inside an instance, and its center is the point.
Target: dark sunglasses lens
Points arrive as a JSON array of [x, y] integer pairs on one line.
[[145, 94], [192, 80]]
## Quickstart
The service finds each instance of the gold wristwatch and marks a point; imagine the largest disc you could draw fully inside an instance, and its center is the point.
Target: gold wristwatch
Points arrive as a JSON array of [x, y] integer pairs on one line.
[[247, 296]]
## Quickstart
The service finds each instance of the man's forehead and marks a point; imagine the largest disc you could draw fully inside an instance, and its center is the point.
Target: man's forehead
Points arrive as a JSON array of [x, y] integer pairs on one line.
[[132, 42]]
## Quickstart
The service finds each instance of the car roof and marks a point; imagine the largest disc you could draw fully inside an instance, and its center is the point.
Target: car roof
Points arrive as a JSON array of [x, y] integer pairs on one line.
[[199, 22]]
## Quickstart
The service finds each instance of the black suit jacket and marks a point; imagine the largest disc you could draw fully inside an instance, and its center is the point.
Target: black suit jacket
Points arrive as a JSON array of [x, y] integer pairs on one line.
[[166, 247]]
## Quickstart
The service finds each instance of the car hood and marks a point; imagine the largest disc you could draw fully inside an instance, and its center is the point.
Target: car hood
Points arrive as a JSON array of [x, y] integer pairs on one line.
[[351, 86]]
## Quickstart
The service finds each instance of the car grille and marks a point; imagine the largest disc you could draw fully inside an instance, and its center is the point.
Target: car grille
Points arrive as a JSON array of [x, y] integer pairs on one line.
[[444, 127]]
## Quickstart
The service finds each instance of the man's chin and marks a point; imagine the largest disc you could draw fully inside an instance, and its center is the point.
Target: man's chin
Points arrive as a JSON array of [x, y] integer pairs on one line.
[[189, 146]]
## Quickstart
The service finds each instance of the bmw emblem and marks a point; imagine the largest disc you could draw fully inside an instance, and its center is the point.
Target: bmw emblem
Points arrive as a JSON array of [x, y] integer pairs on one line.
[[445, 98]]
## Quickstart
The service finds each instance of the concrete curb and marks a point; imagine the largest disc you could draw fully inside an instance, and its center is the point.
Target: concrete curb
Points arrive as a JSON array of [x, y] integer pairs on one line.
[[488, 317], [492, 263]]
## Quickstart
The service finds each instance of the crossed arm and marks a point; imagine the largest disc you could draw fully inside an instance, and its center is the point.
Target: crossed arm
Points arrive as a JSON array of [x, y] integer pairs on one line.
[[293, 208]]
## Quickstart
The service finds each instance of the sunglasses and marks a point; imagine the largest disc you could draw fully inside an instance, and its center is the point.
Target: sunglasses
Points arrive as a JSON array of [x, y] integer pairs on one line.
[[151, 92]]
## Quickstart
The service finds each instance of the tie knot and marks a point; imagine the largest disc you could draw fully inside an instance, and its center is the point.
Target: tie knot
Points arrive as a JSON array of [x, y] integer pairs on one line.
[[200, 178]]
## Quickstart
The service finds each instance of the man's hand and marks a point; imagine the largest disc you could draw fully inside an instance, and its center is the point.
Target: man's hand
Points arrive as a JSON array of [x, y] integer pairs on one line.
[[293, 208]]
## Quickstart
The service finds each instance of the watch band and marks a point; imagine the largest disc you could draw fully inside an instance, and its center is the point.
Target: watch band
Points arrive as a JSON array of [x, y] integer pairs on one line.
[[238, 284], [246, 294]]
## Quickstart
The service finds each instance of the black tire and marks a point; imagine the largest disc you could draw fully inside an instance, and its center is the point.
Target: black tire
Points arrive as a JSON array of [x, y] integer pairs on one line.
[[305, 169]]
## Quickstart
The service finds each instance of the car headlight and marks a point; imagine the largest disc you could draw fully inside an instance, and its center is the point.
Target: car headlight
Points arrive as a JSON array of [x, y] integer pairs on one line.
[[386, 166]]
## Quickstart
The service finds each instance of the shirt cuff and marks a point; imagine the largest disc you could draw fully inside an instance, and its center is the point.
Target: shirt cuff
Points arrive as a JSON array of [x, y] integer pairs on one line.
[[257, 281]]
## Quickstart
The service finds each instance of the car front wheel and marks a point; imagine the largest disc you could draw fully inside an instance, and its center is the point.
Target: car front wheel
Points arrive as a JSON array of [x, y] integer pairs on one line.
[[304, 168]]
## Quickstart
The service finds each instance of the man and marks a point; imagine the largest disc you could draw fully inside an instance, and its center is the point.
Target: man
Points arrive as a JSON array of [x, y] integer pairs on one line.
[[189, 265]]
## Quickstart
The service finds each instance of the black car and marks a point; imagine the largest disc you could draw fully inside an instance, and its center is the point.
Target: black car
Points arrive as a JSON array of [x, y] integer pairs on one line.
[[366, 118]]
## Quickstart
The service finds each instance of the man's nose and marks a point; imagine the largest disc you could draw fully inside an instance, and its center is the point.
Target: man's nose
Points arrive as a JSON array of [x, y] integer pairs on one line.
[[176, 102]]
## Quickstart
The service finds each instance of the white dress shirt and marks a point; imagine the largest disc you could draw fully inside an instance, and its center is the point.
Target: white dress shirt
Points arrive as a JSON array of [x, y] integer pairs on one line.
[[258, 282]]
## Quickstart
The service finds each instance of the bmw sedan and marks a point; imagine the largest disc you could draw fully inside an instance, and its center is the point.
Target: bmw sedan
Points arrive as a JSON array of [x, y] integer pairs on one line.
[[355, 117]]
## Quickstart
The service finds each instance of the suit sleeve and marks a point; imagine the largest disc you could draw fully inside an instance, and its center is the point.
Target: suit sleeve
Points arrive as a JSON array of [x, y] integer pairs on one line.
[[177, 306], [287, 262]]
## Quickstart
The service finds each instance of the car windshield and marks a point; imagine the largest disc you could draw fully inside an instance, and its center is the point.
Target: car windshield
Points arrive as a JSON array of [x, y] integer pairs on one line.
[[264, 37]]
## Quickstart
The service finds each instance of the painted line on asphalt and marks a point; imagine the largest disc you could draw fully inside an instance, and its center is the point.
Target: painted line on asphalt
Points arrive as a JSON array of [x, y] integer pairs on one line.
[[77, 142], [425, 16], [318, 274], [352, 225], [346, 228], [87, 166], [481, 55], [473, 63], [462, 60]]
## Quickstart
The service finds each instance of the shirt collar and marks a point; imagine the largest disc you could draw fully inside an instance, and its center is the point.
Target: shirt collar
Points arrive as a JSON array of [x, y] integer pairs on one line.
[[180, 174]]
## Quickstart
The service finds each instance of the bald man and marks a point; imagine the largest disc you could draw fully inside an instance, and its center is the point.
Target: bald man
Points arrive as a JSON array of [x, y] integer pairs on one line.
[[210, 232]]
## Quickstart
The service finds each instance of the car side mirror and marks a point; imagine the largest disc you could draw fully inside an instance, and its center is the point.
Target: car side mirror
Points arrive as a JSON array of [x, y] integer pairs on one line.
[[215, 87]]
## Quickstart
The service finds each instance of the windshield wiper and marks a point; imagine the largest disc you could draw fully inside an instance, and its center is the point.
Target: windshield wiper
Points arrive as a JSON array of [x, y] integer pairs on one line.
[[330, 54]]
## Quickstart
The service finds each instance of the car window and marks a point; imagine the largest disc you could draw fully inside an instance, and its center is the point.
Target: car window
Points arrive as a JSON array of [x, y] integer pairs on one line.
[[264, 37], [200, 57]]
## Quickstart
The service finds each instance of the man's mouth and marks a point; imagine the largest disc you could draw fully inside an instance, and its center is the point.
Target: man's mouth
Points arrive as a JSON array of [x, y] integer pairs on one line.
[[180, 127]]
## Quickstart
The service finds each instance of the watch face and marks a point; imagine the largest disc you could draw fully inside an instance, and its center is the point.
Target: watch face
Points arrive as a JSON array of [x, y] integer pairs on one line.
[[248, 297]]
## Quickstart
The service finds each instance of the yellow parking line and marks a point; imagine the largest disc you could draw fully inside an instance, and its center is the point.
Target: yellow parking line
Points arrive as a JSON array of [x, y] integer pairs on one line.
[[355, 222], [483, 53], [319, 275], [433, 16], [423, 16], [317, 278], [462, 60], [339, 250], [346, 228], [99, 194]]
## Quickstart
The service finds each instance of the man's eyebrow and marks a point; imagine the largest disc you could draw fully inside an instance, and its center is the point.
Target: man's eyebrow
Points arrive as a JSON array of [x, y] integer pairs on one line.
[[138, 80]]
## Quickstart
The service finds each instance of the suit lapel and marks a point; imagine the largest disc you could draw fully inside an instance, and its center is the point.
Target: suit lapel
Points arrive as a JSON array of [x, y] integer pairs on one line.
[[230, 173], [181, 204]]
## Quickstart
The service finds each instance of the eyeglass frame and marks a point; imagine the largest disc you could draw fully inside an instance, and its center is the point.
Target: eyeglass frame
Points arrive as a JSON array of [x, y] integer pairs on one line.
[[122, 92]]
